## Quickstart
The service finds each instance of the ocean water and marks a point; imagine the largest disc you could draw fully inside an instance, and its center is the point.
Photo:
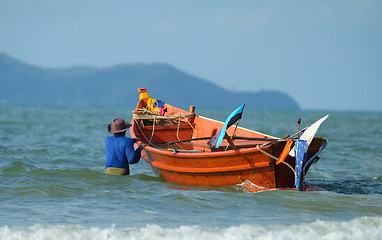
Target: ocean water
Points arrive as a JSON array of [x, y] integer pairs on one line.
[[52, 184]]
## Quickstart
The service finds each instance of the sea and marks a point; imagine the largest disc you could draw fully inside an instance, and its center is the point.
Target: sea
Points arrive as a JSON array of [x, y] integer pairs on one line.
[[53, 186]]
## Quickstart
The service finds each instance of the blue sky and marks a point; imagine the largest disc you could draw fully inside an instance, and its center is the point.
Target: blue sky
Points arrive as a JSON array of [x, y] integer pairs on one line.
[[325, 54]]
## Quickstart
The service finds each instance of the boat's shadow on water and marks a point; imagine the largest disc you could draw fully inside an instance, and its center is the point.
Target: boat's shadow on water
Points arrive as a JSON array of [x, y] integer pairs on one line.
[[372, 185]]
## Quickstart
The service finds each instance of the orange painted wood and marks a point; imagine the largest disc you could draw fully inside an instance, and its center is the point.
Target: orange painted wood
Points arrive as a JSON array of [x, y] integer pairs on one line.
[[195, 163]]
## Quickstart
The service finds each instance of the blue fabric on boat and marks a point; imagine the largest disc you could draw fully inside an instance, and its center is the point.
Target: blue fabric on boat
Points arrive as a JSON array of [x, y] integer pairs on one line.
[[232, 119], [301, 155], [120, 152], [159, 103]]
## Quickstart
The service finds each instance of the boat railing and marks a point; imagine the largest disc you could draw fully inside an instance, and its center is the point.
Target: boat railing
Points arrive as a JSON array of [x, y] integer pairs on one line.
[[147, 117], [158, 117]]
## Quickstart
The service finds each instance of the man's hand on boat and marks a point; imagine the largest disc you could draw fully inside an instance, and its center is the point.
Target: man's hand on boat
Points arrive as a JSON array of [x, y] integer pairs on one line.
[[142, 145]]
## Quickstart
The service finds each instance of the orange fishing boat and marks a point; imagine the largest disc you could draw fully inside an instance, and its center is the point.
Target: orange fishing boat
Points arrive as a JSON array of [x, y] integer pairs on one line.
[[179, 149]]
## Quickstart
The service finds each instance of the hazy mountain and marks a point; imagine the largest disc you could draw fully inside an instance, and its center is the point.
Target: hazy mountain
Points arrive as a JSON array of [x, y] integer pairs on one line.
[[117, 85]]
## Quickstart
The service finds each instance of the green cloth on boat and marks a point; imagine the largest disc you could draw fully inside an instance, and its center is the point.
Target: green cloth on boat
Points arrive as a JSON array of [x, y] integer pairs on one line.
[[116, 171]]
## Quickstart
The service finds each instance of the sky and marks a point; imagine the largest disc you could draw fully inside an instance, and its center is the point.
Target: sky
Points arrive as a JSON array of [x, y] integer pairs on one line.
[[327, 55]]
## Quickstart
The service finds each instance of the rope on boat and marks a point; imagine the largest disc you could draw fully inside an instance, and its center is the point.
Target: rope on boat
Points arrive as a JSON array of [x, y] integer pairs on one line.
[[294, 172], [297, 133], [152, 133], [188, 121], [268, 154], [150, 143], [275, 158], [149, 115], [280, 140], [157, 117], [145, 114], [177, 130]]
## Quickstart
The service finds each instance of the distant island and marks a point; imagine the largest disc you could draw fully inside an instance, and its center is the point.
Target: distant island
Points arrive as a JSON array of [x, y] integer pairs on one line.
[[22, 83]]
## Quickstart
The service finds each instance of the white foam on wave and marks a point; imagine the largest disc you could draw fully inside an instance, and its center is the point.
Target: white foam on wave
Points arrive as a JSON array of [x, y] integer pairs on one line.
[[360, 228]]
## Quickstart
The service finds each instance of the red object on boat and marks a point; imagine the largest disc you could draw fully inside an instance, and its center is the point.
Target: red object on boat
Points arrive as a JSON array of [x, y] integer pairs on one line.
[[177, 150]]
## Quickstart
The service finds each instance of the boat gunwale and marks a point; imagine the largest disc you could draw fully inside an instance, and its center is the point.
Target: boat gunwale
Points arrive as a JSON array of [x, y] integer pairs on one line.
[[201, 154]]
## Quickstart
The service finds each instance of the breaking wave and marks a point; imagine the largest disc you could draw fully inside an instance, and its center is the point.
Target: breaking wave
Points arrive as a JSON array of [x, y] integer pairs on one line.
[[359, 228]]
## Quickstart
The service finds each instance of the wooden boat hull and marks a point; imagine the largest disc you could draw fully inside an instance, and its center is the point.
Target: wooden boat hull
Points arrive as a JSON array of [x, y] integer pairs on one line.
[[195, 163], [224, 169]]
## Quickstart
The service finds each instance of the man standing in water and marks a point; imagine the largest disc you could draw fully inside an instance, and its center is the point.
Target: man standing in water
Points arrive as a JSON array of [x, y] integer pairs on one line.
[[120, 149]]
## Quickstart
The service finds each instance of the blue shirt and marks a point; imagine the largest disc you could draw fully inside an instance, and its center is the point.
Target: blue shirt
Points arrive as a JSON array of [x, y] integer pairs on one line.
[[120, 152]]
